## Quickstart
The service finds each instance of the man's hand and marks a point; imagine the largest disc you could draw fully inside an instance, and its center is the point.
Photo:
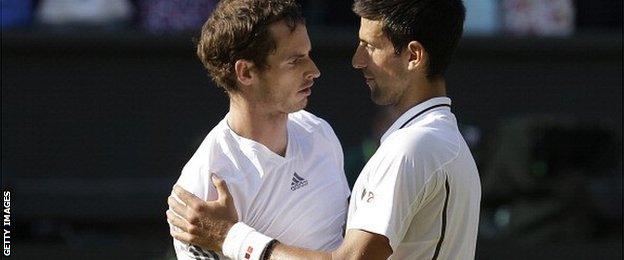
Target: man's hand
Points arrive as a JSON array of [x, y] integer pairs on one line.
[[202, 223]]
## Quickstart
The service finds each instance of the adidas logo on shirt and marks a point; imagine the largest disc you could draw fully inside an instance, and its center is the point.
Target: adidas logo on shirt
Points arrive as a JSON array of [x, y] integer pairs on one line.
[[297, 182]]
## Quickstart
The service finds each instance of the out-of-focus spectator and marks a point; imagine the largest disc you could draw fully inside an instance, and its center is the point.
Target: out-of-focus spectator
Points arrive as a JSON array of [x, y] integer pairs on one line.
[[539, 17], [163, 16], [16, 13], [84, 12]]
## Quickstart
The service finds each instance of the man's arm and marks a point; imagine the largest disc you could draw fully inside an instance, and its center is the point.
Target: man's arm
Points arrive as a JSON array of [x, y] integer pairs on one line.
[[358, 244], [206, 224], [198, 183]]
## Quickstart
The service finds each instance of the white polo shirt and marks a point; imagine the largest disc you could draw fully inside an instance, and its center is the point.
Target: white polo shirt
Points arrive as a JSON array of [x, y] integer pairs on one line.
[[299, 199], [421, 188]]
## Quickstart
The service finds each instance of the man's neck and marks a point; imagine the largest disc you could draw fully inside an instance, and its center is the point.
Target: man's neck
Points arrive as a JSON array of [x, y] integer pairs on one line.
[[254, 122], [422, 91]]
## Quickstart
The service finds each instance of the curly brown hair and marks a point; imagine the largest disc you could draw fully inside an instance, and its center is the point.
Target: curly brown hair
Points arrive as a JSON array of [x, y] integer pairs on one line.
[[239, 29]]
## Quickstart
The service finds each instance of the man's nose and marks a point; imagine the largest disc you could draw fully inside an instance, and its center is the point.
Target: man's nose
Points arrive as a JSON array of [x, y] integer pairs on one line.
[[314, 72], [358, 58]]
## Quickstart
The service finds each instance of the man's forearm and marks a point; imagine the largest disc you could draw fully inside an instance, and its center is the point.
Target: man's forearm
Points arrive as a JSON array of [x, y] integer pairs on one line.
[[358, 244], [279, 251]]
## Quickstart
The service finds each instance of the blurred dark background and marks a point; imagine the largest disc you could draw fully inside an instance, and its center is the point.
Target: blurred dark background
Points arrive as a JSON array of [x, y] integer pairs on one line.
[[103, 102]]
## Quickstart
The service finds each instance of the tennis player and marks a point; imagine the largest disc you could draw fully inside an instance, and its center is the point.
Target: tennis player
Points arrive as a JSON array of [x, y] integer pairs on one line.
[[284, 166], [418, 196]]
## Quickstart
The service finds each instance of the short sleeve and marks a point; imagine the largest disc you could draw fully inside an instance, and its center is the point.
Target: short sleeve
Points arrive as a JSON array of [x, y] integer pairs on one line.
[[387, 200], [197, 180]]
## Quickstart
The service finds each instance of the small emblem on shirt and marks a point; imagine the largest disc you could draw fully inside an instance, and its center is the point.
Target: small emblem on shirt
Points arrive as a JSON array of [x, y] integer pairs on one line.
[[368, 197], [248, 253], [297, 182]]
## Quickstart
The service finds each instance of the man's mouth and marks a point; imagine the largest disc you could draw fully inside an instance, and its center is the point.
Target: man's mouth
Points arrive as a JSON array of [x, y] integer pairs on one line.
[[370, 81], [307, 89], [368, 77]]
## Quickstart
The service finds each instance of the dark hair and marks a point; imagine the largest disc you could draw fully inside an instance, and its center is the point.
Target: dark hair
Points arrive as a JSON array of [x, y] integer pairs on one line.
[[436, 24], [239, 29]]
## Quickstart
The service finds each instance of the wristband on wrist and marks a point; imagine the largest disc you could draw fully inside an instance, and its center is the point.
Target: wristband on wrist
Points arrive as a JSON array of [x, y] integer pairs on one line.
[[244, 243]]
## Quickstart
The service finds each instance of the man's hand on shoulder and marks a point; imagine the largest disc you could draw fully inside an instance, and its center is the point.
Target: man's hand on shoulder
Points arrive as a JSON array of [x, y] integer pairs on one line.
[[206, 224], [202, 223]]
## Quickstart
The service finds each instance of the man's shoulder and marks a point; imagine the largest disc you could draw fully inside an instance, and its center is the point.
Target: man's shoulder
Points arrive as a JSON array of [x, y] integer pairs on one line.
[[308, 120], [214, 145], [422, 142], [210, 157], [311, 124], [214, 137]]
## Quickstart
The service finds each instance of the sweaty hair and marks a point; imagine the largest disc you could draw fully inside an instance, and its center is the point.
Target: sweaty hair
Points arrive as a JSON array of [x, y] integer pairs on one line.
[[436, 24], [239, 29]]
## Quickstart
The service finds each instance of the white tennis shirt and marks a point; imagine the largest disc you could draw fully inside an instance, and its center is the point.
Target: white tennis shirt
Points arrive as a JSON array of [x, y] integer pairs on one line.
[[299, 199], [421, 188]]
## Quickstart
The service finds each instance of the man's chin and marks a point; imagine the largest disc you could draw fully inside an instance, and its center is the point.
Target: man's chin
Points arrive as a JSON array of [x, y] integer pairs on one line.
[[378, 99], [302, 107], [299, 106]]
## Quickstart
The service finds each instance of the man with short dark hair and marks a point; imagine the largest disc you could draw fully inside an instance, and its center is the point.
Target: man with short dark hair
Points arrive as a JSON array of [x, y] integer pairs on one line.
[[284, 166], [418, 196]]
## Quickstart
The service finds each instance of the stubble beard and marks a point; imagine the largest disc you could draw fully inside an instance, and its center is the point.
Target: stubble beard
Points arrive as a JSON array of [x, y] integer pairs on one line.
[[380, 97], [285, 104], [298, 105]]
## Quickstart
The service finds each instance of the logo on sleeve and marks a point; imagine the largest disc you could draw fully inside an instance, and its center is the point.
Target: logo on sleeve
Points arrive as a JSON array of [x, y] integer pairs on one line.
[[249, 252], [368, 197], [297, 182]]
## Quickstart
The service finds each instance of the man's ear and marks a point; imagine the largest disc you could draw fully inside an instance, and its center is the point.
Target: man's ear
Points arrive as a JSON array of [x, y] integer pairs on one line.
[[244, 72], [417, 56]]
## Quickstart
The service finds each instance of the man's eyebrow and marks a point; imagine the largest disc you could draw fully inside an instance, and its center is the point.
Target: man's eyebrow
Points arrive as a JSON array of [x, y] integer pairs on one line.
[[365, 41], [296, 56]]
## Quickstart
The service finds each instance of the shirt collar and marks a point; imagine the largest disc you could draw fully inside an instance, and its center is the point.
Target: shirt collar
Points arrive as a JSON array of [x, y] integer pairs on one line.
[[254, 149], [413, 113]]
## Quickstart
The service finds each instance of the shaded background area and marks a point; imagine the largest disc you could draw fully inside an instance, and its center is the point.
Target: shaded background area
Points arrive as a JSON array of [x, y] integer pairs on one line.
[[98, 119]]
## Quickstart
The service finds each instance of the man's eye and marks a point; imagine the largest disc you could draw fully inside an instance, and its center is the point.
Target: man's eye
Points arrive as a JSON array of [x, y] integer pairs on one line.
[[368, 46]]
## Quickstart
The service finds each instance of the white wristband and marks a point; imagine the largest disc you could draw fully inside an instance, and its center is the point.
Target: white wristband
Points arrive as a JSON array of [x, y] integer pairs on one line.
[[244, 243]]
